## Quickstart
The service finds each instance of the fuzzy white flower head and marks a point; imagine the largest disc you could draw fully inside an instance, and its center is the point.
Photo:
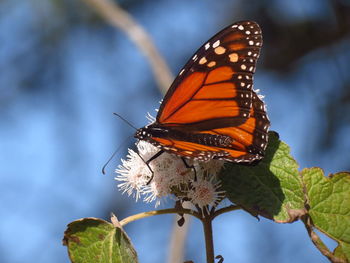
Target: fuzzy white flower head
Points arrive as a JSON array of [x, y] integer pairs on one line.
[[134, 174], [151, 119], [204, 192], [212, 167], [169, 172], [146, 150]]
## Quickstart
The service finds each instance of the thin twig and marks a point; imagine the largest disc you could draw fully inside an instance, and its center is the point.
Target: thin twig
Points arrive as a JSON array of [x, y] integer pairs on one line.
[[318, 242], [135, 217], [225, 210], [119, 18]]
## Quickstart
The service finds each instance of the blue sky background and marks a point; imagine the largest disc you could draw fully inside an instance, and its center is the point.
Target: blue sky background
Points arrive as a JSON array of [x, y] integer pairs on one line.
[[64, 71]]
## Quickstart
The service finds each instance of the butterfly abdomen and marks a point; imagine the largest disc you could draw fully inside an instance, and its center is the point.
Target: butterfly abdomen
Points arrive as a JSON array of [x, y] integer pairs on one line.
[[211, 139], [167, 133]]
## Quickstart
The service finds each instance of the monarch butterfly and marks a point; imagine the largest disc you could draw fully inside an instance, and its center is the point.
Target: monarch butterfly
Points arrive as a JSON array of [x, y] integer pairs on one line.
[[211, 110]]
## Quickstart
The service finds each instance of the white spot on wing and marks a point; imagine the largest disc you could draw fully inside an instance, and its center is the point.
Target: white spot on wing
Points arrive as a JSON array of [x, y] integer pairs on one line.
[[216, 44]]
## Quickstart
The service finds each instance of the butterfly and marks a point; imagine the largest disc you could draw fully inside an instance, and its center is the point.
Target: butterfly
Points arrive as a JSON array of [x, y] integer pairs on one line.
[[211, 110]]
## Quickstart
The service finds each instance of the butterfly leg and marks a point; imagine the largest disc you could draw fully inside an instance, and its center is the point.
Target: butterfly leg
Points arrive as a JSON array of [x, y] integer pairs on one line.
[[190, 167], [150, 160]]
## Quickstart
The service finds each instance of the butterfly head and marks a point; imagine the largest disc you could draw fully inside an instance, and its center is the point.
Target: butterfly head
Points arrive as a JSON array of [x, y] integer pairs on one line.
[[143, 134], [146, 133]]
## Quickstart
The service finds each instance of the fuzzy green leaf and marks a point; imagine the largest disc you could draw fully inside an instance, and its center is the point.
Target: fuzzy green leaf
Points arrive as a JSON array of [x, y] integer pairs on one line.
[[328, 199], [343, 251], [272, 188], [97, 241]]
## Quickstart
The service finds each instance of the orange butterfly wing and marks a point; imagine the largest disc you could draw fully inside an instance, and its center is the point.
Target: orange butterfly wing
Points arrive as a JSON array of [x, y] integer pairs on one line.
[[217, 82], [211, 109], [248, 145]]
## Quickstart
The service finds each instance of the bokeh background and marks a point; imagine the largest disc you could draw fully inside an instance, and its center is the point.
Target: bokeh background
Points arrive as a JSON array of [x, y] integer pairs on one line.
[[64, 71]]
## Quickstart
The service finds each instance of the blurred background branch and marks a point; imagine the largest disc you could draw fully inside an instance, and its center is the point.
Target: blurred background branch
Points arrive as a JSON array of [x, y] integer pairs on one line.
[[178, 237], [119, 18]]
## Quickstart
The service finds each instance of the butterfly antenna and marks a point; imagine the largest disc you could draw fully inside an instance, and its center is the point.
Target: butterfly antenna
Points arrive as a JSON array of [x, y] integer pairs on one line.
[[127, 122], [115, 152]]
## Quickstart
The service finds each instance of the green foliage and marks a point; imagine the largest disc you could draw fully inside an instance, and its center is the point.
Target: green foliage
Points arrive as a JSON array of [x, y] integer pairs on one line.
[[272, 188], [95, 240], [275, 189], [328, 201], [343, 251]]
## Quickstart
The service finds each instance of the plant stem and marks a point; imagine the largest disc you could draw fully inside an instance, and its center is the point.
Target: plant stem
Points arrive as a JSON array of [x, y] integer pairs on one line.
[[225, 210], [159, 212], [208, 236], [208, 229], [318, 242]]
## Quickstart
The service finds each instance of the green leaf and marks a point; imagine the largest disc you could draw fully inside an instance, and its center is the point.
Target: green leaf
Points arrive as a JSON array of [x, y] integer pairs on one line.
[[328, 199], [343, 251], [272, 188], [97, 241]]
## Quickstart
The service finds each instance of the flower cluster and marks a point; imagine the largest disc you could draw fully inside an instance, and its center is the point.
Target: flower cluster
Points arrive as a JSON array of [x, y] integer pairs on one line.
[[169, 175]]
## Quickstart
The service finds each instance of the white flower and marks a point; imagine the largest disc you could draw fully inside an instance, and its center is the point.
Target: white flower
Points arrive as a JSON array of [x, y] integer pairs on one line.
[[167, 173], [157, 189], [146, 150], [204, 192], [151, 119], [212, 167], [134, 174]]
